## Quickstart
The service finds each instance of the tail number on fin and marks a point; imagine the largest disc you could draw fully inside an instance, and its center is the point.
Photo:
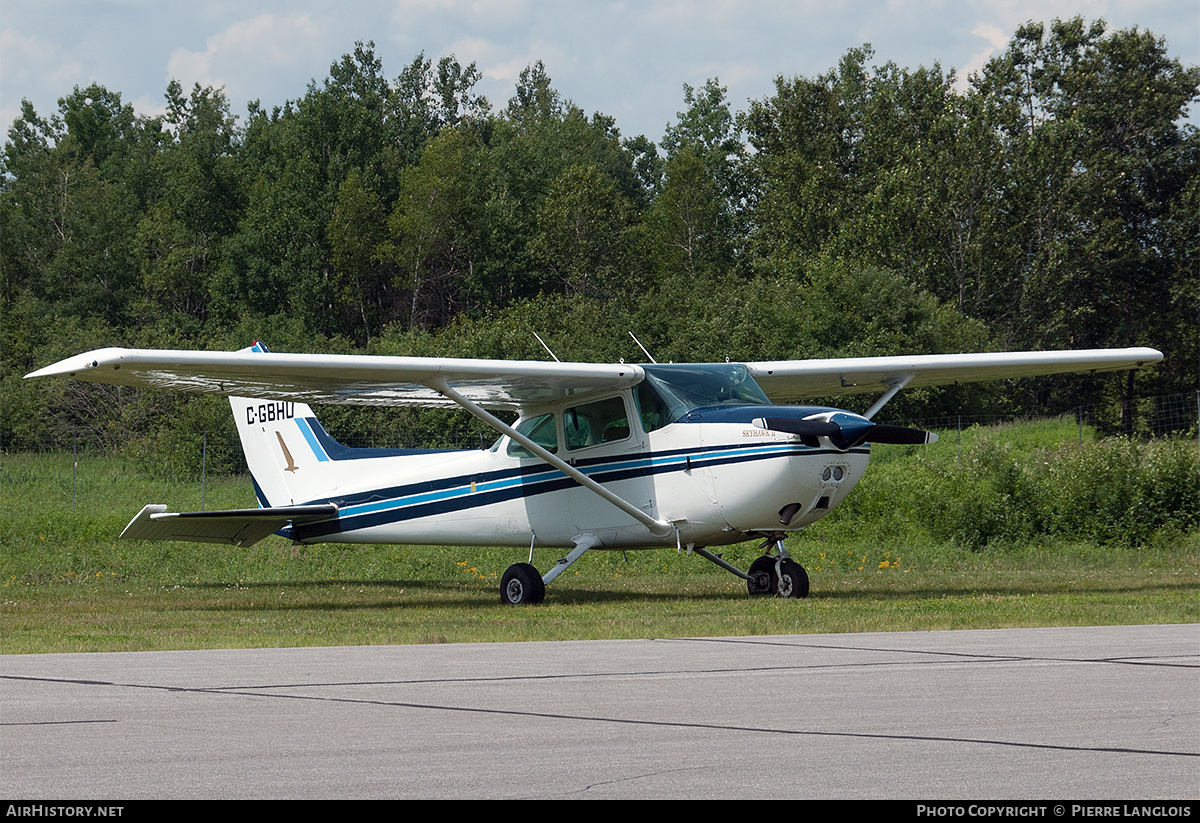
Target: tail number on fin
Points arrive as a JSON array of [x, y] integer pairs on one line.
[[270, 412]]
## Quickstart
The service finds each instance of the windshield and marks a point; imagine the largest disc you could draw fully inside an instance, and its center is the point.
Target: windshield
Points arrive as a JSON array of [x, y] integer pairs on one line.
[[670, 391]]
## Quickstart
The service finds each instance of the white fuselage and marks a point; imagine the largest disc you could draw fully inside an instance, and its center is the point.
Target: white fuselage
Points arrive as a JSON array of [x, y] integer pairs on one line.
[[716, 483]]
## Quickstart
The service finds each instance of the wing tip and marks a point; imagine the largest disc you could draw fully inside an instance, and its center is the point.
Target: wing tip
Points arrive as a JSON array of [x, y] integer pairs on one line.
[[71, 366]]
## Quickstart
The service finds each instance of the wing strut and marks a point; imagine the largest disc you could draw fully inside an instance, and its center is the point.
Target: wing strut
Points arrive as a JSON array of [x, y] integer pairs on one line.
[[659, 528], [894, 384]]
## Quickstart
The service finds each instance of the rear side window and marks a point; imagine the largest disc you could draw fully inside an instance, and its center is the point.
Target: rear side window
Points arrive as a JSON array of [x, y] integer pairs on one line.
[[540, 430]]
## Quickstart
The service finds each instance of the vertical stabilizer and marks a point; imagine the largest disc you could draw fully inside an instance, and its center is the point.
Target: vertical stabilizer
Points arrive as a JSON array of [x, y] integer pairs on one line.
[[289, 464]]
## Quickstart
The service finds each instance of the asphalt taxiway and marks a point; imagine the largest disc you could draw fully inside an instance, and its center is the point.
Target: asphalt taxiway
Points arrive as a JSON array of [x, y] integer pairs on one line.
[[1095, 713]]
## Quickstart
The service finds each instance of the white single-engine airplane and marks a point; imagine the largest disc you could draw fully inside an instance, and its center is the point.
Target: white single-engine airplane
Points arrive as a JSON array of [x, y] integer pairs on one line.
[[600, 457]]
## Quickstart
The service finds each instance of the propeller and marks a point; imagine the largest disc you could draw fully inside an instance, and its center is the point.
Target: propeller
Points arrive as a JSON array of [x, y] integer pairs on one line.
[[845, 431]]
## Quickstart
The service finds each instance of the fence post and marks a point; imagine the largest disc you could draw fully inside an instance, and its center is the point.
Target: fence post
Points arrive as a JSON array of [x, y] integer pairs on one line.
[[203, 464]]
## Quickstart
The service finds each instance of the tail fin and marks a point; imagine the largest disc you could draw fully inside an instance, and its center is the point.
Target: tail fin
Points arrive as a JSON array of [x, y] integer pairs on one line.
[[284, 449]]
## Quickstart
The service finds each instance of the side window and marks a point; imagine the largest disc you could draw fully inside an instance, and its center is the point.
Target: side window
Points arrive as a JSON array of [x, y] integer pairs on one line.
[[540, 430], [591, 424]]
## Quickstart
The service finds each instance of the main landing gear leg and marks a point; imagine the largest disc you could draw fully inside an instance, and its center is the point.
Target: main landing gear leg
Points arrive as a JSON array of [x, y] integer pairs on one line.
[[779, 575], [521, 584]]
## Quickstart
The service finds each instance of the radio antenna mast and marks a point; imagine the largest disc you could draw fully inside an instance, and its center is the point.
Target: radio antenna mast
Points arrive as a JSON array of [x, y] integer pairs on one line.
[[643, 348], [547, 348]]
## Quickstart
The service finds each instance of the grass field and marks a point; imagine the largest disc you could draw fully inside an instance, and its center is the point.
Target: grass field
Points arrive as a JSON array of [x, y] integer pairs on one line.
[[897, 557]]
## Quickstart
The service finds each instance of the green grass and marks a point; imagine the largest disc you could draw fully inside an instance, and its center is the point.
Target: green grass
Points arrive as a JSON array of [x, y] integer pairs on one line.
[[891, 560]]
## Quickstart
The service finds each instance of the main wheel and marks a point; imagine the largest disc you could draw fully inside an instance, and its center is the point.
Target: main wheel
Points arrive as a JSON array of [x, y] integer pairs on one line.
[[762, 576], [793, 580], [521, 585]]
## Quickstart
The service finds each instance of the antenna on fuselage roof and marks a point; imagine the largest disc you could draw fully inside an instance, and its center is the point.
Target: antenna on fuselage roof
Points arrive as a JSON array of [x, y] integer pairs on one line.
[[547, 348], [643, 348]]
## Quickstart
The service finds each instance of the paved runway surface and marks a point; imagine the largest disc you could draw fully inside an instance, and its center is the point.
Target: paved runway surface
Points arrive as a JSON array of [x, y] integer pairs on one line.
[[1047, 714]]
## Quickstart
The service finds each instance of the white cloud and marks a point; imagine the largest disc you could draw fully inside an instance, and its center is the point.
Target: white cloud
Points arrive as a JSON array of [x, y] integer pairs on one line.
[[627, 59], [509, 70], [28, 60], [241, 54], [997, 40], [493, 60]]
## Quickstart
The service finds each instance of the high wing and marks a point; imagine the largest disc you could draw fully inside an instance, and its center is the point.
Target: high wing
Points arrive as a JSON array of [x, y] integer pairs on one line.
[[368, 380], [513, 384], [787, 381]]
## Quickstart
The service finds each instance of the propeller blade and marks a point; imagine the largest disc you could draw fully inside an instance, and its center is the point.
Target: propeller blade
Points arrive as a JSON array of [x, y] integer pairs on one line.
[[881, 433], [863, 432]]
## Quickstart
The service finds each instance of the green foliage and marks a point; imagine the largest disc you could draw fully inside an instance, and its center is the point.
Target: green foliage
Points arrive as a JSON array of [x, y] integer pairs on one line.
[[689, 230], [1007, 487], [199, 439], [1044, 201], [1050, 204]]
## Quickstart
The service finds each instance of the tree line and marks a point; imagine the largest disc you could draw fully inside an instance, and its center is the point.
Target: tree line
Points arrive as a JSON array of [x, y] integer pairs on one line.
[[1050, 201]]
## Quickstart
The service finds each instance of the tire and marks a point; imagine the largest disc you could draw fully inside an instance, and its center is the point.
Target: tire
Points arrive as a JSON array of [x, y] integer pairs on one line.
[[793, 580], [762, 572], [521, 585]]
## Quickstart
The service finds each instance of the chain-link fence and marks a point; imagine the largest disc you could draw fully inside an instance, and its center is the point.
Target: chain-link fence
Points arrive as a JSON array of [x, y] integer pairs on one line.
[[1176, 415]]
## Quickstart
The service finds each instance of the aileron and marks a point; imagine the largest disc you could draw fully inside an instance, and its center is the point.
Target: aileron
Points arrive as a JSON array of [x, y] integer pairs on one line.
[[790, 380]]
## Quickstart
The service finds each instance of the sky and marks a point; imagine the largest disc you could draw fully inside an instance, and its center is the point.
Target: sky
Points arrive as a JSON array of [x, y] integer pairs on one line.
[[626, 59]]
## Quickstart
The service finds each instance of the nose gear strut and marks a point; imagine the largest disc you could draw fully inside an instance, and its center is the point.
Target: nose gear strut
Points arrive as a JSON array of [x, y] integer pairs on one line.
[[778, 575]]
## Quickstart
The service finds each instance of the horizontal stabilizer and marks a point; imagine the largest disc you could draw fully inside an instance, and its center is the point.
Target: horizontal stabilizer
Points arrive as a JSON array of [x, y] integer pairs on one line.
[[238, 527]]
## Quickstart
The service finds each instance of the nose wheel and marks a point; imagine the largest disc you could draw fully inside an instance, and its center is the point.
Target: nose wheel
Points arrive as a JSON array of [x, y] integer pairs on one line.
[[780, 576]]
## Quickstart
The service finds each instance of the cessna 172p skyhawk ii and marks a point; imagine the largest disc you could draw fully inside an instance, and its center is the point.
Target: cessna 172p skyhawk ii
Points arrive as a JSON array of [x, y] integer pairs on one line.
[[601, 456]]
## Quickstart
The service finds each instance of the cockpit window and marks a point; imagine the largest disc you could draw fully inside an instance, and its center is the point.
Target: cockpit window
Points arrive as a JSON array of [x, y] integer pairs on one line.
[[604, 421], [671, 391]]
